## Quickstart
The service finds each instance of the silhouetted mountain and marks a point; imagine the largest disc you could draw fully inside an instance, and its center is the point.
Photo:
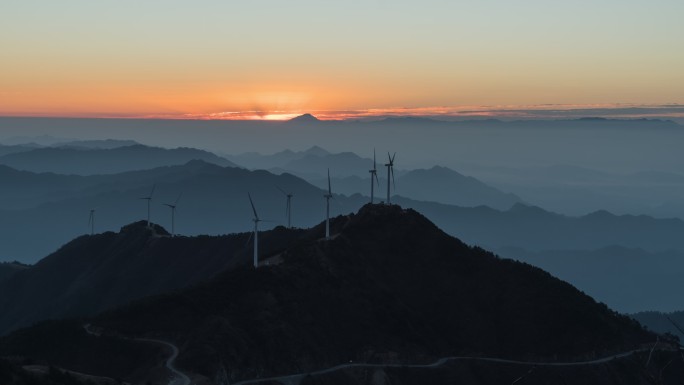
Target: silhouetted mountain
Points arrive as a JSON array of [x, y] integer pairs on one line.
[[137, 362], [661, 322], [532, 228], [440, 184], [574, 190], [279, 159], [213, 202], [25, 189], [11, 149], [389, 284], [316, 151], [8, 269], [629, 279], [344, 163], [94, 273], [304, 119], [33, 141], [408, 120], [105, 161], [97, 144]]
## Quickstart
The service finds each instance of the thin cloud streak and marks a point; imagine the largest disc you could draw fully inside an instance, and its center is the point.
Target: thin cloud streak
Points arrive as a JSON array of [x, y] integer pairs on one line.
[[546, 111], [502, 112]]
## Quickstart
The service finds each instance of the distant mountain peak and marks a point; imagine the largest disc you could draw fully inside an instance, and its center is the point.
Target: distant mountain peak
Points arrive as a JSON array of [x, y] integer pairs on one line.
[[317, 151], [305, 118]]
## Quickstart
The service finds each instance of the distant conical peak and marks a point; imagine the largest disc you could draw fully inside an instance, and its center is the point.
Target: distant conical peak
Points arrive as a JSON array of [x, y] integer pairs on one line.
[[318, 151], [305, 118]]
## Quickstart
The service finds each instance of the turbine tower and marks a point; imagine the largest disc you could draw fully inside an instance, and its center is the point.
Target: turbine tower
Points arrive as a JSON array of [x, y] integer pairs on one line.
[[173, 214], [91, 221], [390, 171], [327, 208], [149, 202], [374, 175], [288, 207], [256, 232]]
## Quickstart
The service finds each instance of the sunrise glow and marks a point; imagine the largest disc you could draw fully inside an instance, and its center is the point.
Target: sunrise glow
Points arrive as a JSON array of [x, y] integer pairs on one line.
[[219, 60]]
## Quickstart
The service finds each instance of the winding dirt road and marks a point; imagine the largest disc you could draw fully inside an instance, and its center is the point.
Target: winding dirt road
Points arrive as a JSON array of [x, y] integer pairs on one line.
[[295, 379], [177, 377]]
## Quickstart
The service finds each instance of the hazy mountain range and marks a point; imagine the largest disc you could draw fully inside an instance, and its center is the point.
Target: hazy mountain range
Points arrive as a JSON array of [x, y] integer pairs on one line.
[[213, 201], [91, 161]]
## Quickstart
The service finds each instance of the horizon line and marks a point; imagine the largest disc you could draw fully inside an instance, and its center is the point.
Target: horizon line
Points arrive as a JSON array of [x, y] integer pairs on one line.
[[505, 112]]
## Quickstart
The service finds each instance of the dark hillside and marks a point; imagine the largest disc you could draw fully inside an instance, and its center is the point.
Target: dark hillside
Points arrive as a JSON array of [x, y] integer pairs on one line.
[[389, 286], [93, 273]]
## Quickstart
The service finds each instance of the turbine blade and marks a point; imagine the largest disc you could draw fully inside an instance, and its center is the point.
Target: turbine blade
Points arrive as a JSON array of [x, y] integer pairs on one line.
[[281, 190], [675, 324], [252, 203], [374, 162], [152, 192], [251, 234], [395, 154], [177, 199], [377, 181], [394, 185], [329, 188]]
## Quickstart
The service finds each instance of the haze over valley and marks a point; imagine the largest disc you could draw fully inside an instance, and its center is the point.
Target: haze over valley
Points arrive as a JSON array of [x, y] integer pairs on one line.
[[553, 216]]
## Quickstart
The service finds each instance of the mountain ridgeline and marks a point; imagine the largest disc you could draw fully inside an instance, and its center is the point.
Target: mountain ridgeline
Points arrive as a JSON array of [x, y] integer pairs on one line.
[[91, 161], [94, 273], [389, 284]]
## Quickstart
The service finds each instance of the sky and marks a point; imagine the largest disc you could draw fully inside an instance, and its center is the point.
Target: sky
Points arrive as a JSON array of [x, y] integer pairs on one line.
[[270, 59]]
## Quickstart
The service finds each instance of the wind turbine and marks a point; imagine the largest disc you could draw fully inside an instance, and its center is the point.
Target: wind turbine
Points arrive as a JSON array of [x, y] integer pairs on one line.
[[256, 232], [390, 170], [327, 208], [173, 214], [288, 207], [374, 175], [149, 201], [91, 221]]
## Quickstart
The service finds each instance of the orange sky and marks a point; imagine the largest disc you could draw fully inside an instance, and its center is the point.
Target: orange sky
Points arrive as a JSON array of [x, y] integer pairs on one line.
[[263, 59]]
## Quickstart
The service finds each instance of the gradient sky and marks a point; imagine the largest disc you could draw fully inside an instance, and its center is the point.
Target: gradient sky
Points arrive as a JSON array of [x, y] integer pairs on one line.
[[214, 58]]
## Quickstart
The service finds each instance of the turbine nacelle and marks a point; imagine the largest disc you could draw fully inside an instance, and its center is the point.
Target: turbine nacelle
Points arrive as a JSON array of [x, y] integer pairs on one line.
[[173, 213], [327, 208], [256, 221], [288, 206], [149, 201], [390, 174]]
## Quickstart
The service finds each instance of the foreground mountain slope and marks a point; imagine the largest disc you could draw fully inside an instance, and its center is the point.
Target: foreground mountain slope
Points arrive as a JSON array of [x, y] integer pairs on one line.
[[7, 269], [628, 279], [94, 273], [389, 286]]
